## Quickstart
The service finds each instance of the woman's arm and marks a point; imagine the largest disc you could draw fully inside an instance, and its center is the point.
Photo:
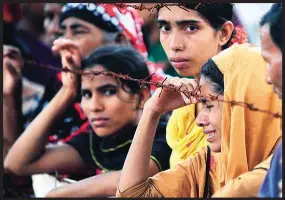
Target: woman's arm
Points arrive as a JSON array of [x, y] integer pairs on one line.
[[28, 155], [12, 98], [103, 185], [136, 167], [12, 126]]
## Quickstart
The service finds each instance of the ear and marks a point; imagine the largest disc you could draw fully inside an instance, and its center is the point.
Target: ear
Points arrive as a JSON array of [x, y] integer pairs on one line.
[[144, 95], [226, 32]]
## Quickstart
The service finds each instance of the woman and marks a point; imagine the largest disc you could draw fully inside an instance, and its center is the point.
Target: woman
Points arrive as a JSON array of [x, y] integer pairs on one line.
[[189, 38], [113, 108], [239, 138]]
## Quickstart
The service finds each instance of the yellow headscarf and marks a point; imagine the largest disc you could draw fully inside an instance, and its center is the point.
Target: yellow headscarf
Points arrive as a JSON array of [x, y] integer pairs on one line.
[[248, 137], [183, 135]]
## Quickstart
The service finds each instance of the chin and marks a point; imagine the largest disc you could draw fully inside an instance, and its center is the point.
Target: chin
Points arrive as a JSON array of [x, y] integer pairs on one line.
[[215, 148], [102, 132]]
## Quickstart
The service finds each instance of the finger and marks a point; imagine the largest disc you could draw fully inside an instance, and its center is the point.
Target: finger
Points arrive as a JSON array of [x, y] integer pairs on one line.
[[190, 85], [172, 82], [185, 98], [11, 69], [64, 43]]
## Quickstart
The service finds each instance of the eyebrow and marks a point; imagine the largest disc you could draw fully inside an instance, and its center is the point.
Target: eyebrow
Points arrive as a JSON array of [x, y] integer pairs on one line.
[[74, 26], [109, 85], [204, 101], [179, 22]]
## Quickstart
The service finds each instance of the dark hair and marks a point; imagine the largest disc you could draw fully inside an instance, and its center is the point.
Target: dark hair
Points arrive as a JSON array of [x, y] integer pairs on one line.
[[211, 72], [274, 19], [121, 60], [215, 13]]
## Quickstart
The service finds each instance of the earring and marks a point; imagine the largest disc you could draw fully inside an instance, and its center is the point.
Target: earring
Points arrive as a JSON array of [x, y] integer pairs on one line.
[[180, 47]]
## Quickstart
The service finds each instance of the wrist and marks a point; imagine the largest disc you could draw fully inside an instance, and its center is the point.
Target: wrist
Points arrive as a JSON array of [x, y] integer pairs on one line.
[[153, 114], [70, 93], [8, 98]]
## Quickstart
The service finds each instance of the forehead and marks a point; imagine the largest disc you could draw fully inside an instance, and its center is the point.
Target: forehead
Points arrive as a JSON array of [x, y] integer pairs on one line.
[[11, 48], [97, 80], [267, 45], [265, 35], [206, 87], [177, 14], [73, 20]]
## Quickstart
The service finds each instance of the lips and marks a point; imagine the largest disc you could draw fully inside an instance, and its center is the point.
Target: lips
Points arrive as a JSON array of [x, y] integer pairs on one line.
[[210, 135], [179, 62], [99, 122]]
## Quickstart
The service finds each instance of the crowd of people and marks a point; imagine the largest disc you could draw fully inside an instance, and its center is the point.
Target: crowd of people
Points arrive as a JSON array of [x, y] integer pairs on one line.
[[70, 113]]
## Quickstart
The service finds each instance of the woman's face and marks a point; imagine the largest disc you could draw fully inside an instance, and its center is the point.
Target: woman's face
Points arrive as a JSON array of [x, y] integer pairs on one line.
[[273, 56], [52, 13], [210, 116], [187, 39], [107, 106], [86, 35]]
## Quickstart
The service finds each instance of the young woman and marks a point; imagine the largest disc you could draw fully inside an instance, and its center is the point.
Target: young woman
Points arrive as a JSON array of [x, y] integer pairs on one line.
[[239, 138], [189, 38], [113, 108]]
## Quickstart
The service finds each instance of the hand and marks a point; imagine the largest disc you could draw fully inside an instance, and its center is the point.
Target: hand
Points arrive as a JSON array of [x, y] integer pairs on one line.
[[12, 69], [70, 59], [170, 100]]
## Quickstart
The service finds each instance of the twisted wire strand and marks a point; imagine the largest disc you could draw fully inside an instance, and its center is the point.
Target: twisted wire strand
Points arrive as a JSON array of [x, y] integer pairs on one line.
[[190, 94]]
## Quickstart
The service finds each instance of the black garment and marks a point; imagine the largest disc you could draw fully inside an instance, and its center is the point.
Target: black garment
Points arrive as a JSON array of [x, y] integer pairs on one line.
[[109, 153], [70, 121]]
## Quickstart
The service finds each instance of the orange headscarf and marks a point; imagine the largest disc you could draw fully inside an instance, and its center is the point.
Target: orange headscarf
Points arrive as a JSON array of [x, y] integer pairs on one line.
[[248, 137]]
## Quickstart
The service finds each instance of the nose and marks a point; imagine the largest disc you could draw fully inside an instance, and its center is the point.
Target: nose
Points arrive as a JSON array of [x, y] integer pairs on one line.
[[67, 34], [202, 119], [175, 43], [95, 104]]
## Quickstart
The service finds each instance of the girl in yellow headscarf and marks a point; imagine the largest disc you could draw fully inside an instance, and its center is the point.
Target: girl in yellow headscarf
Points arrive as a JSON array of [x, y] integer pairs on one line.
[[241, 141]]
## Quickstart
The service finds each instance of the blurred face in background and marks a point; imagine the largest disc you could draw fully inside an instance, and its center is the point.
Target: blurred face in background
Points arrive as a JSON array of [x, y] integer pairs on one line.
[[273, 56], [52, 13], [87, 36]]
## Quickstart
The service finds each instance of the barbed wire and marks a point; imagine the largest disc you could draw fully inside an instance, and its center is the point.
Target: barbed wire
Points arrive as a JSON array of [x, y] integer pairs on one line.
[[150, 9], [189, 94]]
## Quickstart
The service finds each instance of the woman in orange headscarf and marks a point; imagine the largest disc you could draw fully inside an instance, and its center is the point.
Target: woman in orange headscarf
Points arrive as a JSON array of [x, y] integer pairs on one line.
[[241, 141]]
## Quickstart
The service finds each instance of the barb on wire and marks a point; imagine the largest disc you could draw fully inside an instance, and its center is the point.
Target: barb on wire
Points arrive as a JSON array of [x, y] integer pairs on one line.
[[150, 8], [190, 94]]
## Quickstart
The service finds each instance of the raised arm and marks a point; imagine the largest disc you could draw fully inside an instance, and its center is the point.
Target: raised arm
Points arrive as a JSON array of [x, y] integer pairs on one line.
[[136, 167], [29, 154], [12, 99]]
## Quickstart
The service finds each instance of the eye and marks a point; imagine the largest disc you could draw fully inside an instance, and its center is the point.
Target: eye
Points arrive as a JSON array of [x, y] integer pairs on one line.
[[78, 32], [86, 94], [164, 28], [191, 28], [109, 91], [209, 107]]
